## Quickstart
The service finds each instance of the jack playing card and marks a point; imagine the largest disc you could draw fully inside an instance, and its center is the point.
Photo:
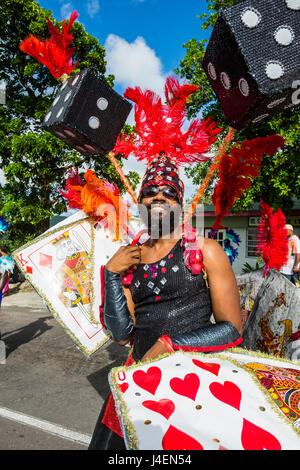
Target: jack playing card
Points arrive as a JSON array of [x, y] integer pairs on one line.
[[64, 267]]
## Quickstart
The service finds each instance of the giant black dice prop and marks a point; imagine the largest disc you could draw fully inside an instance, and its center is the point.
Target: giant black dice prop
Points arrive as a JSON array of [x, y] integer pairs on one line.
[[253, 59], [87, 114]]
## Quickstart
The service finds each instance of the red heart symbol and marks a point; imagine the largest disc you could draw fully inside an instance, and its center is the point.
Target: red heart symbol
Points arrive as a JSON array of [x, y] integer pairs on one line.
[[164, 406], [149, 380], [255, 438], [124, 386], [188, 387], [209, 366], [228, 393], [174, 439]]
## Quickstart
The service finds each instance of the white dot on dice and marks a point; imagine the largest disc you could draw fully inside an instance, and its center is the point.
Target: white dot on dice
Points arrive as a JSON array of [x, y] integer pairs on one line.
[[63, 86], [70, 133], [75, 80], [225, 80], [244, 87], [102, 103], [251, 18], [260, 118], [284, 35], [274, 70], [275, 103], [212, 71], [55, 100], [60, 112], [67, 96], [94, 122], [293, 4]]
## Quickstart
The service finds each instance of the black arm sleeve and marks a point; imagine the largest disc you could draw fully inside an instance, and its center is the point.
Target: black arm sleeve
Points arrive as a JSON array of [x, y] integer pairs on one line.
[[216, 337], [116, 315]]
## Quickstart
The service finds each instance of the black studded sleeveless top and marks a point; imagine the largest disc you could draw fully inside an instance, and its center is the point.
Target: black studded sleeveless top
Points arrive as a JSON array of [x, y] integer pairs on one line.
[[168, 300]]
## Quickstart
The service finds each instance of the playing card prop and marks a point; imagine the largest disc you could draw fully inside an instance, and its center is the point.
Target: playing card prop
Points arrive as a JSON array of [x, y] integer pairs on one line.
[[188, 401], [87, 114], [273, 326], [248, 285], [252, 59], [64, 267]]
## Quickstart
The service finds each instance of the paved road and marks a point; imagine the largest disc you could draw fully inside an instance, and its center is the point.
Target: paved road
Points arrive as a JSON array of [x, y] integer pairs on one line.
[[50, 392]]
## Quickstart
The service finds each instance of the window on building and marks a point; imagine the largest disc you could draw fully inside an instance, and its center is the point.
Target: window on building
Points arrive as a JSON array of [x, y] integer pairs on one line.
[[251, 242], [219, 237]]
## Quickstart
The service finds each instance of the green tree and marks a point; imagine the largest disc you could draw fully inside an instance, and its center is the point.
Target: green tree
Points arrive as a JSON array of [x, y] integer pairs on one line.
[[279, 179], [36, 163]]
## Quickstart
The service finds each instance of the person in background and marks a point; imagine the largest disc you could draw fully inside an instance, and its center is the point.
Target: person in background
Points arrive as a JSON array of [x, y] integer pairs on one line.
[[290, 269]]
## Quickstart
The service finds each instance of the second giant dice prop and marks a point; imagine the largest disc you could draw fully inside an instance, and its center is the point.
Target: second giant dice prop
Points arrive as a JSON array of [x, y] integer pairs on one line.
[[87, 114], [253, 59]]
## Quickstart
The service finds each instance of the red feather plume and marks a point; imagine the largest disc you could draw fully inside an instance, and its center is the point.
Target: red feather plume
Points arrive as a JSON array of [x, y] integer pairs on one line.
[[238, 168], [98, 199], [159, 126], [55, 52], [272, 239]]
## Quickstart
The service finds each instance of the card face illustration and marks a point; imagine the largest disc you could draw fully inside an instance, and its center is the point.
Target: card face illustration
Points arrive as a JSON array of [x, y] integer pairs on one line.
[[192, 401], [64, 266]]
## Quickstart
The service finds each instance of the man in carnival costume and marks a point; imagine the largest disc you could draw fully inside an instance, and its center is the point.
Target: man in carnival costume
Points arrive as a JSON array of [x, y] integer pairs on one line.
[[160, 296]]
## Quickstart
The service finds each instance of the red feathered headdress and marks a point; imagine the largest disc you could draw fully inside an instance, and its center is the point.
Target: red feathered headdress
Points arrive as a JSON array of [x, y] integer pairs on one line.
[[99, 199], [55, 52], [272, 243], [159, 127], [238, 168]]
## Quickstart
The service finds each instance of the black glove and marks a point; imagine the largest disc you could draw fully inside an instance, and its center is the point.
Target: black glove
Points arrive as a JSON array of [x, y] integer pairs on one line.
[[216, 337], [116, 315]]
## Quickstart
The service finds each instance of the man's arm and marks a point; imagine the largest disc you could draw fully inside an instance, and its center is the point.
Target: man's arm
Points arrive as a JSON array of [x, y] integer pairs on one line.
[[118, 308]]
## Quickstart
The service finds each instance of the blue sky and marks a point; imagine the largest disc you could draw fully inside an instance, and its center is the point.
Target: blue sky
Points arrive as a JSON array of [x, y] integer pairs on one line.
[[143, 40]]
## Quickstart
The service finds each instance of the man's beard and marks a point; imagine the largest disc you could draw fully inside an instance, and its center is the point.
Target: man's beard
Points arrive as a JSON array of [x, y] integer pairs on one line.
[[160, 224]]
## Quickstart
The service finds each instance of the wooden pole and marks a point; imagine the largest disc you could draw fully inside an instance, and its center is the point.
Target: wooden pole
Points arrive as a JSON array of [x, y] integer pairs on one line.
[[223, 148], [123, 177]]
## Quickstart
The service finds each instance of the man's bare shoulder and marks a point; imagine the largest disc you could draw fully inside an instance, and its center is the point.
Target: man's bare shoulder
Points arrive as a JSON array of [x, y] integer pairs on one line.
[[209, 247]]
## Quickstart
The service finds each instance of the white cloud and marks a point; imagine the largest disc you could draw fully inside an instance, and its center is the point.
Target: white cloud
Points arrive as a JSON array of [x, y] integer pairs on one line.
[[134, 64], [92, 7], [66, 10]]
